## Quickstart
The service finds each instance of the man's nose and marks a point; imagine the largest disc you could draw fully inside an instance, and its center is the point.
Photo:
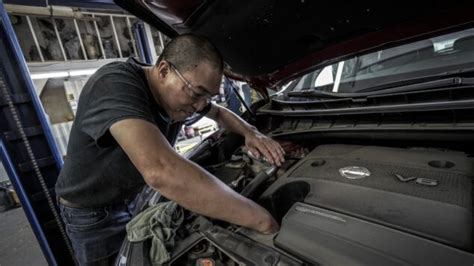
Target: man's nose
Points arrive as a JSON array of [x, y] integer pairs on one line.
[[200, 104]]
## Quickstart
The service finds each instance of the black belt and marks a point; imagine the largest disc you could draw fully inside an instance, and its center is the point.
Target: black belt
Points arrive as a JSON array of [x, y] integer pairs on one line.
[[69, 204]]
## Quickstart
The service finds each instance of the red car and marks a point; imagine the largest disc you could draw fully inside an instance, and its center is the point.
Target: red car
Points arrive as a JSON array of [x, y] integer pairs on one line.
[[376, 116]]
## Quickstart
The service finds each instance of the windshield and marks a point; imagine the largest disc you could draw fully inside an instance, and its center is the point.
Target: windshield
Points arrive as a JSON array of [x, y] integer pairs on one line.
[[434, 56]]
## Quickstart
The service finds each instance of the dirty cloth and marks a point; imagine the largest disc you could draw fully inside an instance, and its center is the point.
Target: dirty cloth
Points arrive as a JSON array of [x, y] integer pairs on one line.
[[158, 223]]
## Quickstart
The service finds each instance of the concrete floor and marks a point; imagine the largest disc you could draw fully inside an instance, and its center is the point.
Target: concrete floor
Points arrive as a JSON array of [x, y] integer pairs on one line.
[[18, 244]]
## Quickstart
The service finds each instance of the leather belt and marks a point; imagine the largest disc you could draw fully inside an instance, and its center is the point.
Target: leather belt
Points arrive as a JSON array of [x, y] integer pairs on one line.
[[68, 203]]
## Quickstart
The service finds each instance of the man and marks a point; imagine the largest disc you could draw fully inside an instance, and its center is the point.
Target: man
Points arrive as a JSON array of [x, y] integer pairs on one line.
[[127, 115]]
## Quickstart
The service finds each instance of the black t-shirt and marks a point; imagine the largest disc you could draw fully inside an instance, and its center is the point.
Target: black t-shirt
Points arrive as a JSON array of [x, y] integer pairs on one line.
[[96, 171]]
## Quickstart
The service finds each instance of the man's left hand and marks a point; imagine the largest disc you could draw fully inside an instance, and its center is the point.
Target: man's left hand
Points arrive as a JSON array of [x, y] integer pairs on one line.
[[259, 144]]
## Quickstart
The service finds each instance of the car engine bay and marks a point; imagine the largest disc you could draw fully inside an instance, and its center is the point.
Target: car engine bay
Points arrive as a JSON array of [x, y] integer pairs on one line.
[[338, 204]]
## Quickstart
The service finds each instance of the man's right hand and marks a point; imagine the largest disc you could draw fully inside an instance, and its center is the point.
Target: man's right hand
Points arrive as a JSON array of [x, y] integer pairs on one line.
[[269, 226], [264, 223]]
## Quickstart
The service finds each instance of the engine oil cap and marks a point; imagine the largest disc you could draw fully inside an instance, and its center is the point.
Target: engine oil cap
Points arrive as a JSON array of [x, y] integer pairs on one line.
[[354, 172]]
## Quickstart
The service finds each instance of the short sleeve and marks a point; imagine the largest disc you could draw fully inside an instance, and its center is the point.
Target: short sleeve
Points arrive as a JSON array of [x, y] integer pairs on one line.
[[113, 98]]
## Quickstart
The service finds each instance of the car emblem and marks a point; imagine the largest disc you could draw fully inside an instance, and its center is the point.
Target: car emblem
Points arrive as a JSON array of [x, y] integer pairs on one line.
[[354, 172]]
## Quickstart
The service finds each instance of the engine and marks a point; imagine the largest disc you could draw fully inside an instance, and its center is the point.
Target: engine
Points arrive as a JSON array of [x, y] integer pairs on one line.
[[344, 205]]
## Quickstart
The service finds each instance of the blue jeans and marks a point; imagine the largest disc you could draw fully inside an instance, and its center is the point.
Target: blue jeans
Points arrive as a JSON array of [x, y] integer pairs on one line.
[[97, 234]]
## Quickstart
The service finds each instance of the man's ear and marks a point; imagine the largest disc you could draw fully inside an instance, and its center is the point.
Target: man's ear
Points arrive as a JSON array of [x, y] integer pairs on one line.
[[163, 69]]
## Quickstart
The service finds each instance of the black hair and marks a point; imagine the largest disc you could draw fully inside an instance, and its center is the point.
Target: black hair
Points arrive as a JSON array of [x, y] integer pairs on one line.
[[187, 50]]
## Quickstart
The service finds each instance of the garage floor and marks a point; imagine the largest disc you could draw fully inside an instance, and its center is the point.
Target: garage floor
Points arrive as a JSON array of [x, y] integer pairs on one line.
[[18, 244]]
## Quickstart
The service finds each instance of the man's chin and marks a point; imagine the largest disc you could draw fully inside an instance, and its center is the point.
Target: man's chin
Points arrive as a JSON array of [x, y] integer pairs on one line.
[[180, 116]]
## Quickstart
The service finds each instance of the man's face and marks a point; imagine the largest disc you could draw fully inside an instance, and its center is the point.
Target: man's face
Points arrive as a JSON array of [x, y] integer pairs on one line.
[[184, 93]]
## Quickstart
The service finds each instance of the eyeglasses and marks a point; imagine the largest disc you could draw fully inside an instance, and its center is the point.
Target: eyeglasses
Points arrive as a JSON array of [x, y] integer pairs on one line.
[[193, 93]]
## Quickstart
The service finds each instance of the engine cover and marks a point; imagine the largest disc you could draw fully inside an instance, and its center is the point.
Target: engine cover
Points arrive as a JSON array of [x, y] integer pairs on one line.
[[426, 193], [324, 237]]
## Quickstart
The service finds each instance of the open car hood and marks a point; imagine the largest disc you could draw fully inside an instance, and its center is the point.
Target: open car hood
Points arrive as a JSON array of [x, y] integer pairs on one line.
[[268, 43]]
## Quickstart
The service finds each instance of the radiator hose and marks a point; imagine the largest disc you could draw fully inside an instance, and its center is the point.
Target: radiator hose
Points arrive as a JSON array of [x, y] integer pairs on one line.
[[252, 187]]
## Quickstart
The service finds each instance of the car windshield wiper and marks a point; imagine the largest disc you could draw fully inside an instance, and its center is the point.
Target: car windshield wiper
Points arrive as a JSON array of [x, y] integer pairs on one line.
[[444, 82]]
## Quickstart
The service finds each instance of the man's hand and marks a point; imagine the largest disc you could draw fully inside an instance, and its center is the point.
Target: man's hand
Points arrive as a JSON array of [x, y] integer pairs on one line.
[[259, 144], [267, 225]]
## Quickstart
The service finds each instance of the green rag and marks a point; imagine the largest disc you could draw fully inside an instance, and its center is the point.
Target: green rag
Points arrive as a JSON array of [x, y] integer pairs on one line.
[[159, 223]]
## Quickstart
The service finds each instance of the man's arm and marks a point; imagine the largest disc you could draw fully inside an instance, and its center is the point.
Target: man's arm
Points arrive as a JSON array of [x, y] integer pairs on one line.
[[255, 141], [183, 181]]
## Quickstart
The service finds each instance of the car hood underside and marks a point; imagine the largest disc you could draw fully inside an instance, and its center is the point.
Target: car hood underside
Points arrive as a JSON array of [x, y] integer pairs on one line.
[[268, 42]]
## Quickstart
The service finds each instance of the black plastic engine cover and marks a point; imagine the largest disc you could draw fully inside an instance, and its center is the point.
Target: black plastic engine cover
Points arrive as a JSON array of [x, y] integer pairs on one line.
[[423, 192], [324, 237]]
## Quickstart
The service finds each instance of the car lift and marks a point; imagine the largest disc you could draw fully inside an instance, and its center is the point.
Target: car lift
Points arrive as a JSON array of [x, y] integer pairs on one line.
[[27, 148]]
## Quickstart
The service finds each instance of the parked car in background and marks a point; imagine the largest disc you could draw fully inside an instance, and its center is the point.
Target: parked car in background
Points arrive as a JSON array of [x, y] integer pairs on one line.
[[376, 120]]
